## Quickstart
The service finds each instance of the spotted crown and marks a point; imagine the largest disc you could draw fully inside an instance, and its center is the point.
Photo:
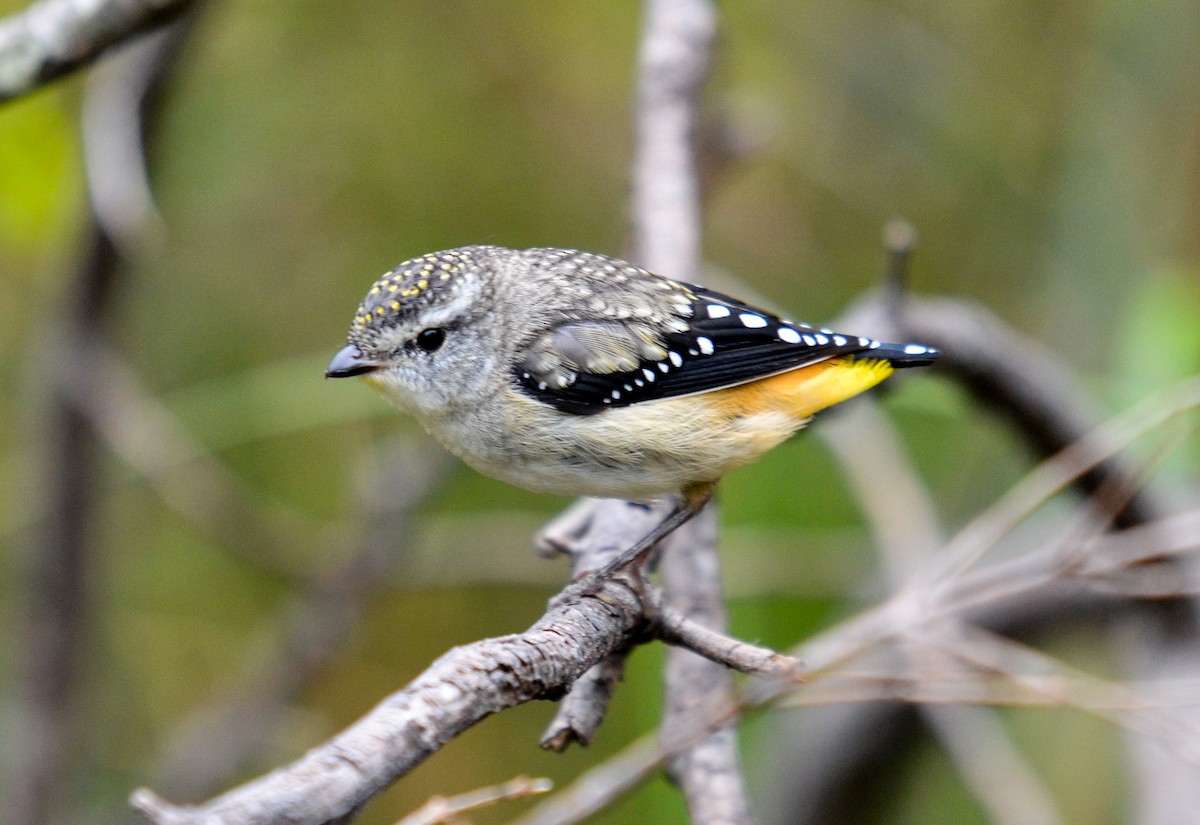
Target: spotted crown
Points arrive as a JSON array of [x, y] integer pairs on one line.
[[409, 288]]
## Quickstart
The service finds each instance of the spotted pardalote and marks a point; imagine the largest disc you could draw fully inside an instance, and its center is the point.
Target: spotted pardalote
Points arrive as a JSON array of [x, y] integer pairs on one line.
[[575, 373]]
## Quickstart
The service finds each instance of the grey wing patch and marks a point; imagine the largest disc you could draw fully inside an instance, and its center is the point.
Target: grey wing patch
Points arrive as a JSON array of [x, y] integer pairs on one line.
[[556, 357]]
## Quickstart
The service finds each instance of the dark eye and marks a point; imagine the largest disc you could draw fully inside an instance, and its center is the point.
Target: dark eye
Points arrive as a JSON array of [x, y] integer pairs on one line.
[[431, 339]]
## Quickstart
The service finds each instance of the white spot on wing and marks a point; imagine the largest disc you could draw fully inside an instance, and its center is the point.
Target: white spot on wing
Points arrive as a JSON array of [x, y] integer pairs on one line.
[[705, 345], [808, 339], [717, 311], [789, 335], [915, 349], [676, 358], [840, 340], [821, 339], [648, 373], [752, 321]]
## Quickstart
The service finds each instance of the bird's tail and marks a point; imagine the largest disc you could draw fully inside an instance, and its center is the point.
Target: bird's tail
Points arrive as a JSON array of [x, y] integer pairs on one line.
[[901, 356]]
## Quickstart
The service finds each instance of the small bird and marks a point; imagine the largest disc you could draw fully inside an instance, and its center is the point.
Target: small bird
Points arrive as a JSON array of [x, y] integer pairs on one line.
[[575, 373]]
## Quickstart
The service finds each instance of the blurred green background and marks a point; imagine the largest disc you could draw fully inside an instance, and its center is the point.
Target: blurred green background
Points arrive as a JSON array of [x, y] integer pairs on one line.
[[1048, 153]]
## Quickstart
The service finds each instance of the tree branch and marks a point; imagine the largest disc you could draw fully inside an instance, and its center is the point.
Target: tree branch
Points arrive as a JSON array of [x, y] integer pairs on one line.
[[585, 624], [52, 38]]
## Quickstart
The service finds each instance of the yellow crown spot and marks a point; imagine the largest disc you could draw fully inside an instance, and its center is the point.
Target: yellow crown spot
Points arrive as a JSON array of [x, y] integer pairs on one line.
[[375, 290], [379, 310], [445, 276], [396, 306], [422, 284]]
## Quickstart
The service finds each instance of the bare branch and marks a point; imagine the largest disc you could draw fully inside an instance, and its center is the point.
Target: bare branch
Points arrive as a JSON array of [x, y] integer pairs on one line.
[[54, 37], [593, 532], [584, 625], [677, 629], [708, 771]]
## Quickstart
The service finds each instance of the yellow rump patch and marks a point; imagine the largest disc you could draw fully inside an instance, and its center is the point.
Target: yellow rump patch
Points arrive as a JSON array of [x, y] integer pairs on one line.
[[808, 390]]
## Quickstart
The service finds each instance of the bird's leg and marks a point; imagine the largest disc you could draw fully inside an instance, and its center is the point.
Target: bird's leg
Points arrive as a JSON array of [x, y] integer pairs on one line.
[[691, 502]]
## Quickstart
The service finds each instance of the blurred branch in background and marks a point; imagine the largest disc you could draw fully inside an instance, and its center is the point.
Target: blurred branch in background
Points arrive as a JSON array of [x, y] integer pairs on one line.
[[1024, 383], [58, 607], [223, 738]]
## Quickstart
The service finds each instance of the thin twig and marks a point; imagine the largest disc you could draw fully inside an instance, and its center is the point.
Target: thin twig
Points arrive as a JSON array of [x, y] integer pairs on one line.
[[449, 808]]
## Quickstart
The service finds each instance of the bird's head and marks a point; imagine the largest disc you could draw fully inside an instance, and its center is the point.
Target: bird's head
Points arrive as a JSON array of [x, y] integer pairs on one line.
[[423, 334]]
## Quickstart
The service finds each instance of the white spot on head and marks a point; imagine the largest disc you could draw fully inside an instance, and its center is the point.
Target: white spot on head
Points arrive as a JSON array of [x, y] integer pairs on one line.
[[788, 334], [676, 359], [705, 345], [840, 340], [808, 339], [915, 349], [525, 375], [717, 311]]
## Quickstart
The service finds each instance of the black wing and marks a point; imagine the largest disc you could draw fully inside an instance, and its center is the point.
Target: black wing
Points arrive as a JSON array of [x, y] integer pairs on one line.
[[727, 343]]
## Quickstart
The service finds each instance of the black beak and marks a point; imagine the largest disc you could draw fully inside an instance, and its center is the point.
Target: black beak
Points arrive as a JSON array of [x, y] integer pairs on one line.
[[350, 362]]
